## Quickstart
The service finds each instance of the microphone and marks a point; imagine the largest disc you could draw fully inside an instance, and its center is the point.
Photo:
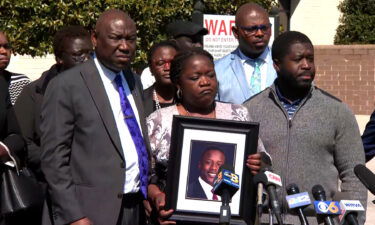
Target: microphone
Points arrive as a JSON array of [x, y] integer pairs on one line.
[[260, 179], [298, 201], [273, 180], [366, 177], [226, 185], [323, 207], [350, 209]]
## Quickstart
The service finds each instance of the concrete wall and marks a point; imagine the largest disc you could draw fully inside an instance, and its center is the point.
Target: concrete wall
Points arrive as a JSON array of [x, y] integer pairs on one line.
[[318, 19], [32, 67]]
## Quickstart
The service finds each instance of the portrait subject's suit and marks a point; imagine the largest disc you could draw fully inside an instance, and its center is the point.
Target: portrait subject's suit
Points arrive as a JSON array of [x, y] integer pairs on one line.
[[195, 190], [82, 156], [233, 86]]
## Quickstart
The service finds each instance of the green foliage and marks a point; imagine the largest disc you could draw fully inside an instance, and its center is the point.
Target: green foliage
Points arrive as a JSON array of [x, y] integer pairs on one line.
[[357, 22], [31, 24]]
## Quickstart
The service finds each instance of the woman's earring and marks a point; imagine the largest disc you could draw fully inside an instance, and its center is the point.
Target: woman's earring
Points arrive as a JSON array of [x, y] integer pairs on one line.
[[179, 93]]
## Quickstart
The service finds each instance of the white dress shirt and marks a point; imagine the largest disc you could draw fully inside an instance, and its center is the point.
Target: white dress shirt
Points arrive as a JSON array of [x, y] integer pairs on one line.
[[132, 182]]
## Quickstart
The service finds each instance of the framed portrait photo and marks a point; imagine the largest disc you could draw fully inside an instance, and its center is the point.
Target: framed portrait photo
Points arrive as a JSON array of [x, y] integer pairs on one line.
[[199, 147]]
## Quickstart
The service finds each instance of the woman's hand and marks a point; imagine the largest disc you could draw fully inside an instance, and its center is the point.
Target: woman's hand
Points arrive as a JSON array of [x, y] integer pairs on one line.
[[253, 163], [157, 198]]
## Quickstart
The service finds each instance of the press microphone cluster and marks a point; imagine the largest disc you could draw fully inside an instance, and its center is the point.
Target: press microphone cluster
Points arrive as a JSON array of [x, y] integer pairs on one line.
[[226, 185]]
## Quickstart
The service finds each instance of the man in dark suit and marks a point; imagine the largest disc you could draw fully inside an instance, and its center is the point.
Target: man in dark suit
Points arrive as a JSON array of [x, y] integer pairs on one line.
[[94, 157], [209, 164]]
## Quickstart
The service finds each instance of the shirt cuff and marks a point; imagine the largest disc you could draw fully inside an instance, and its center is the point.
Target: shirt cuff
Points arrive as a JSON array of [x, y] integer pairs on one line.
[[11, 163]]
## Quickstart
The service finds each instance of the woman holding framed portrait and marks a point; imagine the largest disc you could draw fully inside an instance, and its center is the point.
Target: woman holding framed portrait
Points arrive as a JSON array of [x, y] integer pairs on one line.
[[193, 74]]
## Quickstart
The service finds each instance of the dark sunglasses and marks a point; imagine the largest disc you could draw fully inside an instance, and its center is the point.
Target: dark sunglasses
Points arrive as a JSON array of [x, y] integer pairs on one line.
[[251, 30]]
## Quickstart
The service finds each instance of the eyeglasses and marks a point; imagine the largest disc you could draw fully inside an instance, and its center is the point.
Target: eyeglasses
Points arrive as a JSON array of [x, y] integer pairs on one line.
[[6, 46], [251, 30], [163, 63]]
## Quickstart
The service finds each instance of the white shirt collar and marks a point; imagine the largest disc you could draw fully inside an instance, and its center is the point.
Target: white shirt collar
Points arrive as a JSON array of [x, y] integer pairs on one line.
[[264, 56], [110, 74]]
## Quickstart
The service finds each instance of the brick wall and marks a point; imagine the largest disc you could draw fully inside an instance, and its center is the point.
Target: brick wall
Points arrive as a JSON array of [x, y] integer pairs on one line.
[[348, 72]]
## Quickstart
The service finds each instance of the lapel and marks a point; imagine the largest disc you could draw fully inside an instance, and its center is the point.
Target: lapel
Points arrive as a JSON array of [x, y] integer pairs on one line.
[[239, 73], [148, 100], [91, 77]]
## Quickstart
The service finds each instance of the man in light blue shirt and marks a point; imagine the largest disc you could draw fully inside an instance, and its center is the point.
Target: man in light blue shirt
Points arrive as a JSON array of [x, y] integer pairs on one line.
[[249, 69]]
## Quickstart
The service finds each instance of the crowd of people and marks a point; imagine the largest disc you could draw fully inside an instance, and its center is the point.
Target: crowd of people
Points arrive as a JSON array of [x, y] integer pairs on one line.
[[97, 135]]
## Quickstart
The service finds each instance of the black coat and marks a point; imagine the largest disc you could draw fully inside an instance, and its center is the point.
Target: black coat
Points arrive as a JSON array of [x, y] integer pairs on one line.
[[28, 108], [10, 133]]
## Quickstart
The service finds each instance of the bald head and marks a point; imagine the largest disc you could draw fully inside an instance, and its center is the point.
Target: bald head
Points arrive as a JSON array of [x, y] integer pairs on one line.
[[115, 39], [109, 15], [253, 29], [248, 10]]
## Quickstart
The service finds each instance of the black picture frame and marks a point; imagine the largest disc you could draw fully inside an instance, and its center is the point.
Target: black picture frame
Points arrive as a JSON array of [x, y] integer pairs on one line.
[[244, 134]]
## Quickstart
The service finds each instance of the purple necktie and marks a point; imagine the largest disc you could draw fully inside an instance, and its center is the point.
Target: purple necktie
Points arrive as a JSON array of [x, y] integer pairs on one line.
[[135, 132]]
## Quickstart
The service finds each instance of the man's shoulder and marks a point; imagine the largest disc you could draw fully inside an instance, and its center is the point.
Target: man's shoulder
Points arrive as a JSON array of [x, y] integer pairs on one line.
[[328, 100], [328, 96], [227, 59], [71, 74], [259, 97]]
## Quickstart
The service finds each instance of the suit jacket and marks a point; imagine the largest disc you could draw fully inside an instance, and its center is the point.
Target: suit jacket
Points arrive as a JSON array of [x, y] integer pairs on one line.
[[195, 190], [233, 86], [82, 156]]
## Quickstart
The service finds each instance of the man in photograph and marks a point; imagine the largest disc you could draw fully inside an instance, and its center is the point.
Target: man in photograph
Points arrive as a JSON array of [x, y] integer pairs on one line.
[[209, 164]]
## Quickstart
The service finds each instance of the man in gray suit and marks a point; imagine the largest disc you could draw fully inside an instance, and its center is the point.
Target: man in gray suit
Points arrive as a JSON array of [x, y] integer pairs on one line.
[[94, 157]]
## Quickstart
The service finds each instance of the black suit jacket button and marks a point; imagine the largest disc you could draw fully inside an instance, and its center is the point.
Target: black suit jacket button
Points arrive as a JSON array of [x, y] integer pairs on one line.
[[119, 195], [122, 165]]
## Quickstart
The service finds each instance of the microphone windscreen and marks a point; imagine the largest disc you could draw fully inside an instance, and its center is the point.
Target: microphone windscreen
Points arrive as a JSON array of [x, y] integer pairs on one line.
[[260, 178], [318, 192], [366, 177], [292, 189]]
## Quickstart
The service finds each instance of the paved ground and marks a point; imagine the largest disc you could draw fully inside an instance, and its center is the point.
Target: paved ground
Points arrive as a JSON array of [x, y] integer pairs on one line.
[[370, 220]]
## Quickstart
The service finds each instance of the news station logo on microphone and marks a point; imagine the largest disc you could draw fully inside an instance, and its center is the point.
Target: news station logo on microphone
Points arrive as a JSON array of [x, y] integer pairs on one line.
[[298, 200], [348, 206], [327, 207], [273, 178], [228, 179]]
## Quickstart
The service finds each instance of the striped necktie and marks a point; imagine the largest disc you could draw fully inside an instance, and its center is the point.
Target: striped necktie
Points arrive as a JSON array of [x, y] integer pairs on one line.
[[136, 134]]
